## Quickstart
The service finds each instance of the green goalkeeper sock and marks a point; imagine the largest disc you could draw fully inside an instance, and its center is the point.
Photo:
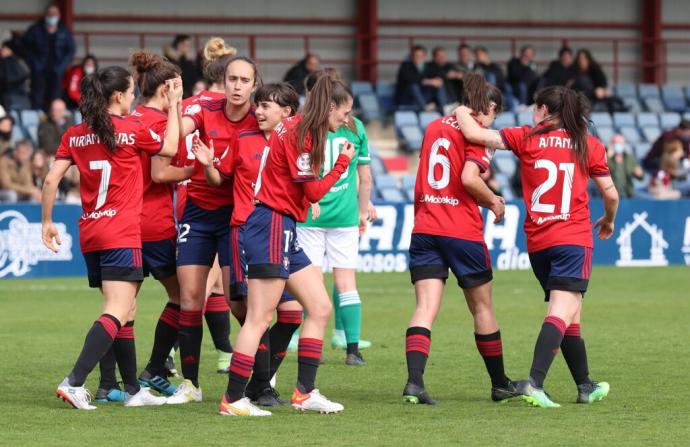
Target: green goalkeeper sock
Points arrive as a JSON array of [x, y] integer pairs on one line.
[[339, 326], [351, 311]]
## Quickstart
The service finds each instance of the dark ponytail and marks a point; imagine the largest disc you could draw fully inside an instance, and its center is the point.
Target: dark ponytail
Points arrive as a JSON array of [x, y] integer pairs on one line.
[[314, 122], [567, 109], [479, 94], [96, 90]]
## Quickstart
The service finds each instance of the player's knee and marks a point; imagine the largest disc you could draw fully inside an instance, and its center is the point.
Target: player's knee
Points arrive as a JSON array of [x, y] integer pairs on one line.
[[321, 311]]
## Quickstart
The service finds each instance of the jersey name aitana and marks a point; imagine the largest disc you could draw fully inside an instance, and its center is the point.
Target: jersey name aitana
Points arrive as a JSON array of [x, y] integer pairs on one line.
[[340, 206], [157, 222], [442, 206], [554, 186], [111, 183]]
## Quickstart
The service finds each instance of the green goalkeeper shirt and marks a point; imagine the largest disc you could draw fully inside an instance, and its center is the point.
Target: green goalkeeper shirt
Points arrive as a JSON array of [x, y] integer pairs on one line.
[[340, 206]]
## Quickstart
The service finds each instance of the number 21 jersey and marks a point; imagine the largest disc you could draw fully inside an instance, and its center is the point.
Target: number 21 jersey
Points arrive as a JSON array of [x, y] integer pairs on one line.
[[442, 206], [111, 183], [554, 186]]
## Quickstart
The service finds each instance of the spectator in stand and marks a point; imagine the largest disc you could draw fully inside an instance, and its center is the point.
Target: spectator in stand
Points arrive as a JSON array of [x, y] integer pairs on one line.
[[49, 47], [522, 75], [652, 160], [40, 166], [6, 126], [623, 166], [68, 188], [492, 73], [199, 87], [661, 183], [589, 78], [16, 182], [51, 129], [439, 68], [72, 81], [296, 75], [560, 71], [413, 89], [14, 74], [179, 53], [465, 65]]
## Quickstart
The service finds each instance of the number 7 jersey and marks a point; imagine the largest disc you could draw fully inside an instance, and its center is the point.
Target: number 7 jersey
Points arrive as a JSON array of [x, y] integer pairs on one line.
[[111, 183], [442, 206], [554, 186]]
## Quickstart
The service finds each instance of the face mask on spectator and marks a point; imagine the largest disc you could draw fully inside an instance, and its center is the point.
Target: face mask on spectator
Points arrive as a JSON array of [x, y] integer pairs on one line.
[[618, 148], [52, 20], [89, 69]]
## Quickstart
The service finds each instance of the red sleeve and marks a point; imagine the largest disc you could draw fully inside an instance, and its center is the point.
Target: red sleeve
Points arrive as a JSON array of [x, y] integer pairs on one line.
[[194, 112], [298, 161], [315, 189], [513, 137], [148, 140], [479, 155], [63, 152], [598, 164]]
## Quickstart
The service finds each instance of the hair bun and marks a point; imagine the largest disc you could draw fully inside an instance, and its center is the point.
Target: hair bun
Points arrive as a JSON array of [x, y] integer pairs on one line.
[[143, 61], [215, 48]]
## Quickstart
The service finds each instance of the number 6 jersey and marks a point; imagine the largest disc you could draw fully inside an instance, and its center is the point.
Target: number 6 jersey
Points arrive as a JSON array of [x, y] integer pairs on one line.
[[442, 206], [554, 186], [111, 183]]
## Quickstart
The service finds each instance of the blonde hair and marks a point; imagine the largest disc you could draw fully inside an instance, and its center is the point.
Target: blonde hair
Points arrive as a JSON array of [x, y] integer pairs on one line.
[[216, 54]]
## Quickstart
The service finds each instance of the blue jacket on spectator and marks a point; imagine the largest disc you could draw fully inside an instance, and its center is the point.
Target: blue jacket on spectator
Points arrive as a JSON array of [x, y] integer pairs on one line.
[[37, 42]]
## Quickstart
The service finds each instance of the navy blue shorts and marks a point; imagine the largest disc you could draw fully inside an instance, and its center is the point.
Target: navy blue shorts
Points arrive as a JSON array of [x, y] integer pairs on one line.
[[201, 234], [563, 267], [159, 258], [238, 268], [115, 264], [270, 245], [431, 257]]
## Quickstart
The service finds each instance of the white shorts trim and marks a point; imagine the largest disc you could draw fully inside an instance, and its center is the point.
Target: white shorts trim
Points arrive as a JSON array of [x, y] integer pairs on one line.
[[330, 247]]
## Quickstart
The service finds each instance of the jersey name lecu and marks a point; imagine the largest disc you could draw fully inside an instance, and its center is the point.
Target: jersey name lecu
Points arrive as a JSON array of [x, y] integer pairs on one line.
[[554, 185], [442, 206], [111, 183]]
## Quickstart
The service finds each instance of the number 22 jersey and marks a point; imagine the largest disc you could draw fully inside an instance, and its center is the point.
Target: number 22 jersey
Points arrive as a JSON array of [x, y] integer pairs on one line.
[[554, 185], [442, 206], [111, 183]]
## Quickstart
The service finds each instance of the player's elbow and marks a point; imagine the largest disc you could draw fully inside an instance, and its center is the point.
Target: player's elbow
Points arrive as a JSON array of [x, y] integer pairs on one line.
[[157, 176], [611, 197], [469, 179]]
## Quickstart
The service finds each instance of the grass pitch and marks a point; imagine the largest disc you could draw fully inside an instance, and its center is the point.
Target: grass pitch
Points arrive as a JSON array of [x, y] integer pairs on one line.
[[635, 326]]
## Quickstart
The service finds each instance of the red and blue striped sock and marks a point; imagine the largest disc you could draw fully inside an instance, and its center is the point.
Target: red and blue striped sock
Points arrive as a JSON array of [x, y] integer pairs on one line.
[[241, 367], [308, 360], [417, 348]]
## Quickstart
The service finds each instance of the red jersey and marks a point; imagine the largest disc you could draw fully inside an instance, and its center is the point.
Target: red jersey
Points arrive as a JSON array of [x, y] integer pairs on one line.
[[442, 206], [110, 182], [286, 182], [212, 123], [554, 186], [157, 221], [244, 166]]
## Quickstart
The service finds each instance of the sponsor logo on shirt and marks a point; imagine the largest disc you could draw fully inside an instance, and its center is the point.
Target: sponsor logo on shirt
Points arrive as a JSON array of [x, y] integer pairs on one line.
[[20, 249], [440, 200], [542, 219], [95, 215]]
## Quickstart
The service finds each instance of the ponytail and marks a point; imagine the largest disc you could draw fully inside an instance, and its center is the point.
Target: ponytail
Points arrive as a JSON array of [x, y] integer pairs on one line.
[[574, 118], [567, 109], [479, 94], [314, 123], [96, 90]]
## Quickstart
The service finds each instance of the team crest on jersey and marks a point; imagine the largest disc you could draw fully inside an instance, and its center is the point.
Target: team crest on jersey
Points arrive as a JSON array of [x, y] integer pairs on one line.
[[304, 164], [192, 109], [286, 262]]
